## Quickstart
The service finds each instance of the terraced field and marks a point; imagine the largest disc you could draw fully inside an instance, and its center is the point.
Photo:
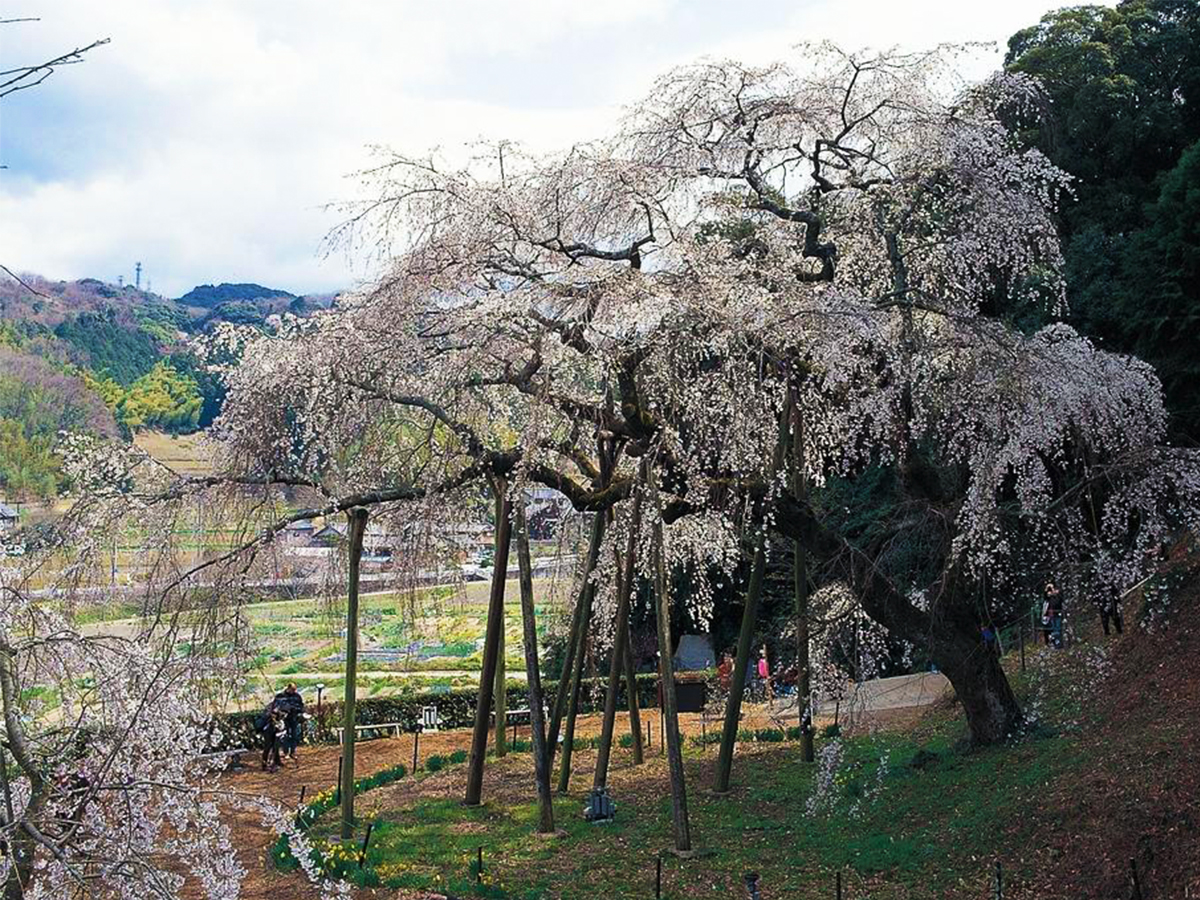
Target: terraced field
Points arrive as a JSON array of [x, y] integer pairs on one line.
[[430, 640]]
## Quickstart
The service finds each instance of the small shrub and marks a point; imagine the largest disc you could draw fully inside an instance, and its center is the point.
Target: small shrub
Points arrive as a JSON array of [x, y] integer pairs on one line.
[[745, 735], [435, 763], [923, 759], [795, 733], [380, 778], [769, 735], [626, 741], [831, 731], [458, 756]]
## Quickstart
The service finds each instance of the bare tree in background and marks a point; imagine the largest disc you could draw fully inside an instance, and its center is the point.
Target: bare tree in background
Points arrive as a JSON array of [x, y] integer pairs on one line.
[[24, 77]]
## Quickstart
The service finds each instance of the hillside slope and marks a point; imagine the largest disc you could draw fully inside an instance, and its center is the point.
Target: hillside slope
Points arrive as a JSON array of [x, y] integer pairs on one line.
[[1137, 794]]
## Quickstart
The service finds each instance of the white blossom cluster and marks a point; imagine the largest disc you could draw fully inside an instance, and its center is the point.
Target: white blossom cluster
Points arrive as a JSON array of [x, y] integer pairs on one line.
[[109, 787]]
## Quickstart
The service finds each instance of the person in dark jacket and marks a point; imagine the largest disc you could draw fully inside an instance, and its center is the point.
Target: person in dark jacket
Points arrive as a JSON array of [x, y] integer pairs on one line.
[[272, 725], [1110, 613], [291, 704], [1052, 616]]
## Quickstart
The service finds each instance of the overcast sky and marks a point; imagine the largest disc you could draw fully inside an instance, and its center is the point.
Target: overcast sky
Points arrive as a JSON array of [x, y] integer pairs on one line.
[[206, 139]]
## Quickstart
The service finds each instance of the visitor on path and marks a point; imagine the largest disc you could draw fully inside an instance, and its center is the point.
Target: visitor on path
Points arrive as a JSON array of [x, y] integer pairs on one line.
[[725, 672], [1110, 613], [274, 730], [291, 704], [789, 681], [990, 639], [764, 674], [1052, 616]]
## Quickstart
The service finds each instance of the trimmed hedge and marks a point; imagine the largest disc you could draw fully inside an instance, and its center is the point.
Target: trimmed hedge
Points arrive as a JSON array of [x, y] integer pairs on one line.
[[456, 709]]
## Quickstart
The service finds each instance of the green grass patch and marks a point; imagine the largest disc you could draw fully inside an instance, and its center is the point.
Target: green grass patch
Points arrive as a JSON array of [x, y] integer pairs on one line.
[[909, 816]]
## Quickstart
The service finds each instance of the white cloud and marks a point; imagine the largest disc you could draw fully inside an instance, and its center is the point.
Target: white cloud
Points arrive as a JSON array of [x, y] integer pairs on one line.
[[207, 137]]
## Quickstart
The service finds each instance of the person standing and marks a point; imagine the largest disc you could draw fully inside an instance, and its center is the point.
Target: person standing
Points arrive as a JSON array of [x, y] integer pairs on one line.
[[273, 730], [1052, 615], [764, 674], [291, 704], [725, 673], [1110, 614], [990, 639]]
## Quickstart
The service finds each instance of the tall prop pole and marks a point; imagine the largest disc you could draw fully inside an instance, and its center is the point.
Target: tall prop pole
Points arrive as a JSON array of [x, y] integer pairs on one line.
[[491, 646], [358, 528], [733, 708], [578, 630], [537, 719], [666, 673], [800, 578], [620, 646]]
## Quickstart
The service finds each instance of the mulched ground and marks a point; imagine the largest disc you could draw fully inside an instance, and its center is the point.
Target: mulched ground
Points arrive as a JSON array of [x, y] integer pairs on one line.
[[316, 770]]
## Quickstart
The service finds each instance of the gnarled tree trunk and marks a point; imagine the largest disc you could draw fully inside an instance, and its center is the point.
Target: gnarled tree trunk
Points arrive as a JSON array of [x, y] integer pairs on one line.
[[949, 630], [973, 669]]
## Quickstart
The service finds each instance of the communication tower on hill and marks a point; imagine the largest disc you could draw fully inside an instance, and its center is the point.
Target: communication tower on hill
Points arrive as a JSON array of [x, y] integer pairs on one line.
[[137, 276]]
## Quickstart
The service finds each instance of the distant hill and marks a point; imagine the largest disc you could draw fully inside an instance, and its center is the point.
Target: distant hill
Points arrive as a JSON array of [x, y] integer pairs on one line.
[[110, 359], [51, 303], [209, 296]]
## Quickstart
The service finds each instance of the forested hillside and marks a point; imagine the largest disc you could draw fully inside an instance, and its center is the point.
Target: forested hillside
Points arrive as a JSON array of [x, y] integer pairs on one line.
[[109, 360]]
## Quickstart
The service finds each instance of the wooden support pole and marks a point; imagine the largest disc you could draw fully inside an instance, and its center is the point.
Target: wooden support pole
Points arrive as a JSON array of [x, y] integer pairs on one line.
[[620, 647], [799, 489], [631, 688], [533, 676], [666, 674], [578, 630], [576, 684], [495, 622], [576, 687], [733, 707], [358, 528], [501, 689]]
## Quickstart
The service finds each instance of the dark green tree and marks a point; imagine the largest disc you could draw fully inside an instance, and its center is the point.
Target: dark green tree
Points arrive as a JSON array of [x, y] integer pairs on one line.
[[1124, 86]]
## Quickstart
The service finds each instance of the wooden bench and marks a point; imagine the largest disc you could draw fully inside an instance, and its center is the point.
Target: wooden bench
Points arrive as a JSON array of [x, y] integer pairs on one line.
[[395, 728]]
